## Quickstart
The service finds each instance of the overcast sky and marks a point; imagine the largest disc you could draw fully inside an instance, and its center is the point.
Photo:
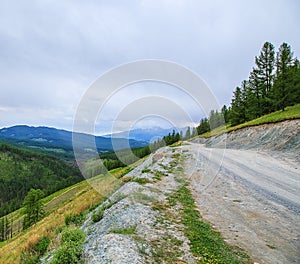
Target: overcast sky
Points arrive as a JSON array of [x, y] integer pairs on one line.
[[52, 51]]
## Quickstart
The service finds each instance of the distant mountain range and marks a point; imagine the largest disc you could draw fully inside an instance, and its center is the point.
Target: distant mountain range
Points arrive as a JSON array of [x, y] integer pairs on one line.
[[144, 134], [59, 141]]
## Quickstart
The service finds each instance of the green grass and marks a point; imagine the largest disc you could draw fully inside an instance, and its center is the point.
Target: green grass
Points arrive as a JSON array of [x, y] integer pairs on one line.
[[205, 243], [124, 231], [291, 112], [141, 181], [159, 174]]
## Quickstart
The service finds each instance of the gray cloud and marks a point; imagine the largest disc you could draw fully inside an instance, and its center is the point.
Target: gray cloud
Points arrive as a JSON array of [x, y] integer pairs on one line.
[[51, 51]]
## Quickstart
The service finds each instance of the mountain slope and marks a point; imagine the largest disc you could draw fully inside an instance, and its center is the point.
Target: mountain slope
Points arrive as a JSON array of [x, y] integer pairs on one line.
[[22, 170], [59, 142]]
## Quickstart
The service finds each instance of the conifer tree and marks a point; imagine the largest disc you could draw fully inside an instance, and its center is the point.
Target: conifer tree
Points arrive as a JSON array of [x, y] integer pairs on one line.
[[284, 60], [265, 67], [33, 207], [237, 113]]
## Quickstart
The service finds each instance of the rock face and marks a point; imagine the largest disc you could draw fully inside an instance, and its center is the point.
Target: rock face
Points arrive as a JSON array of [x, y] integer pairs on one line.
[[133, 229], [282, 137]]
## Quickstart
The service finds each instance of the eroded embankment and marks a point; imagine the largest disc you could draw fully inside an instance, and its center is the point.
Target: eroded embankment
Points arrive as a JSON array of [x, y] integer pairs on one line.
[[282, 137]]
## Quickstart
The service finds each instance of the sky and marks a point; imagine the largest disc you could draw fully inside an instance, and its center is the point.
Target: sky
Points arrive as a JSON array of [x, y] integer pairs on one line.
[[51, 52]]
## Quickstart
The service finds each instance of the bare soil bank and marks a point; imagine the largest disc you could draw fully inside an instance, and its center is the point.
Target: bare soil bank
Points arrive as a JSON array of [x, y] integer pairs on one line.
[[282, 138]]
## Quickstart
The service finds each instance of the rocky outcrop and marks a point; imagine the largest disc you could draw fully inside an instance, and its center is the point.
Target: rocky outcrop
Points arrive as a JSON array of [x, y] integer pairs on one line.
[[134, 229]]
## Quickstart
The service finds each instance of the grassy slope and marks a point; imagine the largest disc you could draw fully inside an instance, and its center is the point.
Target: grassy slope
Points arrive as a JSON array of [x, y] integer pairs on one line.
[[69, 201], [291, 112]]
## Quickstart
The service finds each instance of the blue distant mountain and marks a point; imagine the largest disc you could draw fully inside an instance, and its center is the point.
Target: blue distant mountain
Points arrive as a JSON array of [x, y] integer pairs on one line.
[[48, 138]]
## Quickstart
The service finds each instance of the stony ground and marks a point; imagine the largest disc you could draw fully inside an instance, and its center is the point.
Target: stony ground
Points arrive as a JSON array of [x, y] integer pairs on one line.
[[133, 228]]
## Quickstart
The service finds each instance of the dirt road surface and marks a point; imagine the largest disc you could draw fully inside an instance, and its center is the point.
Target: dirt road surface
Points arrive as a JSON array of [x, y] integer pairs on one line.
[[252, 198]]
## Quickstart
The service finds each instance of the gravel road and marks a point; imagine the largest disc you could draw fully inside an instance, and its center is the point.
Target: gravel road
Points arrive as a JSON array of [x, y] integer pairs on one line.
[[251, 197]]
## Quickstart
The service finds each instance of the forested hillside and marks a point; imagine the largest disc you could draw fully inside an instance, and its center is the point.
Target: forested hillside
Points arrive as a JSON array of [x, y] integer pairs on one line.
[[22, 170]]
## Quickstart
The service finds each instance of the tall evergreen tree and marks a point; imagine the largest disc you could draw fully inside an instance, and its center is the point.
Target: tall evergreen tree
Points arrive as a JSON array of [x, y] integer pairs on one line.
[[262, 78], [33, 207], [294, 84], [203, 126], [265, 66], [284, 60], [255, 95], [237, 110], [225, 113]]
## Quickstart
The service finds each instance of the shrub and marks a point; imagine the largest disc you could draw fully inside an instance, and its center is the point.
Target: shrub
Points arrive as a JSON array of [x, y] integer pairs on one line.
[[67, 254], [75, 219], [41, 246], [73, 235], [98, 215], [70, 250]]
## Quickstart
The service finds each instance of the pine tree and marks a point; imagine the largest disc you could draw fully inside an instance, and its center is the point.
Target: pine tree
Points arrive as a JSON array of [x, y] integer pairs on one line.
[[255, 95], [33, 207], [238, 107], [264, 73], [203, 126], [284, 60], [225, 113], [294, 84]]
